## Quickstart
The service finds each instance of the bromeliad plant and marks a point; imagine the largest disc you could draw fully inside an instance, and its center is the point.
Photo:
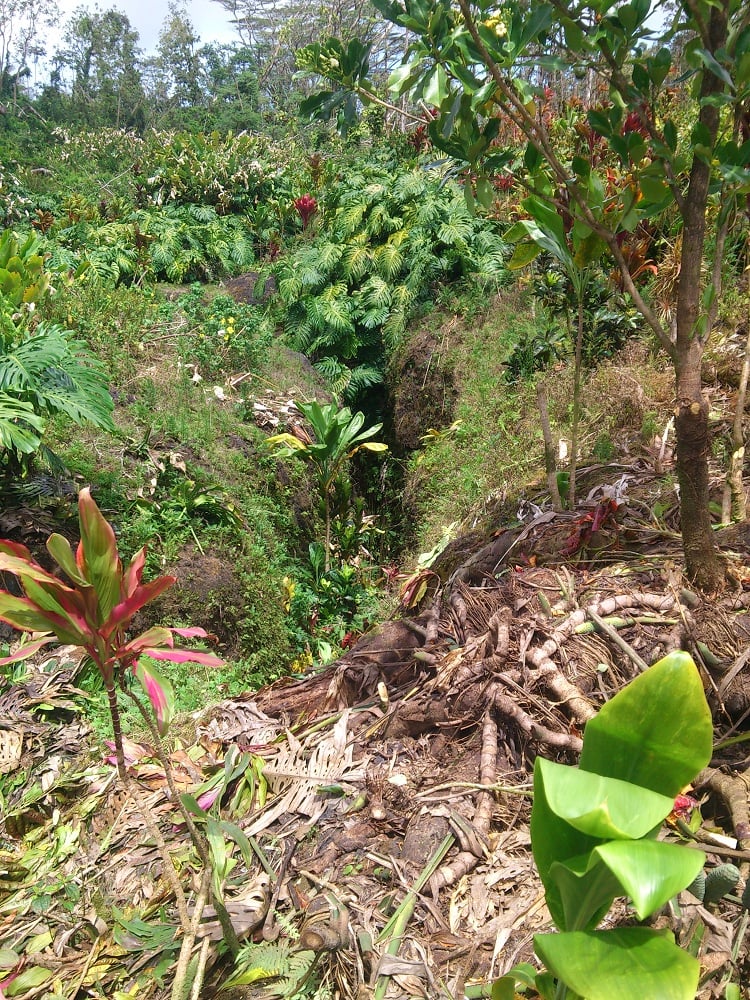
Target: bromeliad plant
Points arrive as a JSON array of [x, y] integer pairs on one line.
[[594, 835], [94, 610]]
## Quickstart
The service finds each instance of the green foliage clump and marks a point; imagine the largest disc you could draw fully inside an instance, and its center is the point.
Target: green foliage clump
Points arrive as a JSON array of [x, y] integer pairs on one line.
[[384, 237], [44, 370]]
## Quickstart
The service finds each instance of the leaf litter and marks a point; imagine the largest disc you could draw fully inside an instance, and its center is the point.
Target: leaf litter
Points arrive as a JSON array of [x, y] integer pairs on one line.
[[384, 803]]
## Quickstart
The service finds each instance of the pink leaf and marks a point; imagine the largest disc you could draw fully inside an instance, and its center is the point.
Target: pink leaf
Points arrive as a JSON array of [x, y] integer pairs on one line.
[[156, 636], [192, 633], [26, 651], [208, 798], [134, 572], [159, 690], [184, 656]]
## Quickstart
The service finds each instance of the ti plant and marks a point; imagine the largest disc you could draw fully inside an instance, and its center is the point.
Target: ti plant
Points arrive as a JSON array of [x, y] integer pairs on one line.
[[95, 610], [338, 437], [594, 835]]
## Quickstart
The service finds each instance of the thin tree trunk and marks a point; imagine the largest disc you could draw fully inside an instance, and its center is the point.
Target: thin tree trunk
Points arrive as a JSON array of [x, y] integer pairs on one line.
[[576, 405], [703, 563], [734, 506], [550, 463]]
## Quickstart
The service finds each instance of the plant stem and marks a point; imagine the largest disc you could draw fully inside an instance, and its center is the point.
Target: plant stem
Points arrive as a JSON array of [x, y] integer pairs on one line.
[[199, 841]]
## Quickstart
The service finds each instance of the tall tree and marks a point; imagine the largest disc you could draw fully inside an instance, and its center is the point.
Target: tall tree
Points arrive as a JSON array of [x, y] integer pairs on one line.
[[661, 144], [178, 61], [23, 23], [103, 62], [275, 29]]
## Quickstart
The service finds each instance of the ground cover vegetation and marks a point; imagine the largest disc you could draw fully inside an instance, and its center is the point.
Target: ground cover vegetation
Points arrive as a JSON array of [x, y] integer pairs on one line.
[[308, 375]]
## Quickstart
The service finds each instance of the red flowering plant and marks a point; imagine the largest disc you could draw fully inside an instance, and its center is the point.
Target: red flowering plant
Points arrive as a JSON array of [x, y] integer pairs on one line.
[[306, 207], [94, 611]]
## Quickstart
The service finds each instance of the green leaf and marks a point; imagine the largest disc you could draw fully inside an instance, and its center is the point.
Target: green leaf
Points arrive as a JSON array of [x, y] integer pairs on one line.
[[620, 964], [436, 87], [587, 889], [599, 806], [485, 192], [650, 871], [656, 732], [59, 548], [523, 254]]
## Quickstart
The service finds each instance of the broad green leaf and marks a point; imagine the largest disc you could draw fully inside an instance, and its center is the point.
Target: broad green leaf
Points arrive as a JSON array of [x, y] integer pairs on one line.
[[485, 192], [553, 840], [436, 87], [59, 548], [587, 889], [656, 732], [623, 964], [547, 218], [28, 980], [523, 254], [601, 807], [654, 189], [651, 872], [98, 559]]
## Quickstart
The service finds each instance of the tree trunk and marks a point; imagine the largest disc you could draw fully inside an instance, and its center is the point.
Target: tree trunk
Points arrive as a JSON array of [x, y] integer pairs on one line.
[[702, 560], [703, 563]]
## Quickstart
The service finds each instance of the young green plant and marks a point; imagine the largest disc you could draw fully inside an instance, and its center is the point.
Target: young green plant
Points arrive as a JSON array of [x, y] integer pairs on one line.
[[338, 436], [594, 835]]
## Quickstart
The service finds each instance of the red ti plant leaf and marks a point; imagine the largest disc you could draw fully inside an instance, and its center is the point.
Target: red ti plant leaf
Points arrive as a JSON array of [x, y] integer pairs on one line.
[[25, 615], [28, 650], [185, 656], [134, 573], [160, 693], [97, 557]]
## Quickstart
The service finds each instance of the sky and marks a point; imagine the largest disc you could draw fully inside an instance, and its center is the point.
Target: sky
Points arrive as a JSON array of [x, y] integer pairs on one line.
[[210, 20]]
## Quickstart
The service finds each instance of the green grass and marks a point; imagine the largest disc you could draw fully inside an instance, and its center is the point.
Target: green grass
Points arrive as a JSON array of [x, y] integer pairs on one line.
[[498, 443]]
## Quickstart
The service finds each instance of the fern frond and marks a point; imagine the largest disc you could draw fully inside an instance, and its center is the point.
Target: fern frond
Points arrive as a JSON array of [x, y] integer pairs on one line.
[[20, 426], [410, 187], [360, 378], [376, 293], [56, 374], [328, 255], [380, 220], [201, 213], [456, 232], [333, 308], [290, 286]]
